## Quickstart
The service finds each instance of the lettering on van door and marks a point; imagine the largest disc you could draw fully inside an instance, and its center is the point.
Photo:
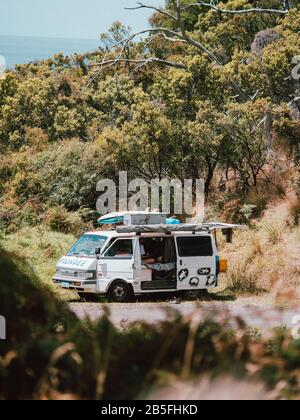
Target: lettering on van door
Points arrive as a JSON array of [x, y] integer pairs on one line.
[[204, 271]]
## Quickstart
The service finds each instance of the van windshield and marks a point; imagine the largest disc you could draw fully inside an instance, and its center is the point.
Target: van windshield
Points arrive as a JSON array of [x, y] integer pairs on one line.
[[87, 245]]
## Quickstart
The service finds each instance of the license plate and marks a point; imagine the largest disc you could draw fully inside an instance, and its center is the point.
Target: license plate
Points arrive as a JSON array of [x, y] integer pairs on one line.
[[65, 285]]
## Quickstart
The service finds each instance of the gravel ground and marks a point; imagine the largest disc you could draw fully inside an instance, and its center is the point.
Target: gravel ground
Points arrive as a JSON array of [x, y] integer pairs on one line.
[[260, 313]]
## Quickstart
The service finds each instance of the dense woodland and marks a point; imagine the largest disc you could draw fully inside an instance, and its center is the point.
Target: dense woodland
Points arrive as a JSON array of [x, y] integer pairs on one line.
[[210, 95]]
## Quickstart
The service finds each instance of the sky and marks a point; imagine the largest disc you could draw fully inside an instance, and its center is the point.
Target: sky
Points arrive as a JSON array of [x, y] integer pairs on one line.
[[82, 19]]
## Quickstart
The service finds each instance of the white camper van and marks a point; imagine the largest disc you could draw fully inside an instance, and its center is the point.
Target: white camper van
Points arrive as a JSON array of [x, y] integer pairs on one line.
[[134, 259]]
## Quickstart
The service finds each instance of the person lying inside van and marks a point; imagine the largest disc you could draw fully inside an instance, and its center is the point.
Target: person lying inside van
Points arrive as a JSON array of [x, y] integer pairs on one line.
[[162, 271], [162, 266], [163, 259]]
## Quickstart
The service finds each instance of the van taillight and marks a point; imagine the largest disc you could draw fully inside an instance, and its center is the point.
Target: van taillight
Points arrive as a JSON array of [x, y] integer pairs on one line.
[[223, 266]]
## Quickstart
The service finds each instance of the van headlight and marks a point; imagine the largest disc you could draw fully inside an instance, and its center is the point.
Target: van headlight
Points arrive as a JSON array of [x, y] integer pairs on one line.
[[63, 272], [85, 275], [82, 275]]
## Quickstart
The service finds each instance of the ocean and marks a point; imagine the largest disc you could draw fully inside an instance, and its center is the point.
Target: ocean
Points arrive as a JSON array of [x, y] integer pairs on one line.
[[21, 50]]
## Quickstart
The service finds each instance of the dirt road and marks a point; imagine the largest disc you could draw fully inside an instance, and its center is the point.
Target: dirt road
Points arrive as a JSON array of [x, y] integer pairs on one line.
[[260, 313]]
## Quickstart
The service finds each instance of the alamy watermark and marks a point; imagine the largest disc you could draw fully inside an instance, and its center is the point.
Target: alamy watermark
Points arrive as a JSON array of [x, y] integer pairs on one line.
[[170, 196], [2, 328]]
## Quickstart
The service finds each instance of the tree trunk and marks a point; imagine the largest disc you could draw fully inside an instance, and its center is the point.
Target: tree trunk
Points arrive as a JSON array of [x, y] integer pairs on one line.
[[209, 178]]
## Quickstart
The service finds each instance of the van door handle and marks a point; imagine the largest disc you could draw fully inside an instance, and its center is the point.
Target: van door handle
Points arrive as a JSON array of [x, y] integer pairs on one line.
[[180, 262]]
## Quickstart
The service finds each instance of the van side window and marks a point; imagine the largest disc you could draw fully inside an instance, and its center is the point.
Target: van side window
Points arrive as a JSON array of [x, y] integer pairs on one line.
[[196, 246], [121, 248]]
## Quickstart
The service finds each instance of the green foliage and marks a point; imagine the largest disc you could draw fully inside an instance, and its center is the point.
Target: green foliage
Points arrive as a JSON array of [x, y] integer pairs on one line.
[[62, 175], [49, 354], [62, 129], [40, 248], [116, 33], [60, 220]]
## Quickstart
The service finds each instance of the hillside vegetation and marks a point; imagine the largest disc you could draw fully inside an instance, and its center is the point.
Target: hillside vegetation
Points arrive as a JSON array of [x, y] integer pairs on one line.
[[229, 115]]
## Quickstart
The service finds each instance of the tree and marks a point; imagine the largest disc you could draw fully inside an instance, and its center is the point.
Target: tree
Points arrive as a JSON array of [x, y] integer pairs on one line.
[[207, 142], [174, 12], [116, 33], [143, 145], [247, 146]]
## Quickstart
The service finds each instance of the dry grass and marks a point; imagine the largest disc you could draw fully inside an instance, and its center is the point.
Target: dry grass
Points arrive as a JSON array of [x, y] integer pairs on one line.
[[266, 257]]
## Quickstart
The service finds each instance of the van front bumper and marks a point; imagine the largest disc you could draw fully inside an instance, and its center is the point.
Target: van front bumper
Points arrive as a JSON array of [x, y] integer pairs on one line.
[[88, 286]]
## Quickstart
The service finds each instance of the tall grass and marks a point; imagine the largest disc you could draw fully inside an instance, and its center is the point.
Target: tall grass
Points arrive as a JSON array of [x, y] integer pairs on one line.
[[264, 259], [40, 248]]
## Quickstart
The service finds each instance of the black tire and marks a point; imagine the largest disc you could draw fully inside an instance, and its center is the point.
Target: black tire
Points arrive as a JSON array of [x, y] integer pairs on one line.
[[88, 297], [192, 295], [120, 292], [203, 294]]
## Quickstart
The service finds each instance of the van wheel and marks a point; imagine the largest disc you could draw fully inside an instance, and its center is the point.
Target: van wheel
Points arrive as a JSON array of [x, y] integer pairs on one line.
[[120, 292], [88, 297], [191, 295], [203, 294]]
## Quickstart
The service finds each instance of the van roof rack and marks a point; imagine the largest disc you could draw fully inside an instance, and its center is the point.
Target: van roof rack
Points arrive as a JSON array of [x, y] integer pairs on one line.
[[168, 229]]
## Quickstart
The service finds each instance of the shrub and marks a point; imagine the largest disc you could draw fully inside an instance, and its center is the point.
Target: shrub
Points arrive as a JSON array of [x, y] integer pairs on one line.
[[242, 281], [14, 217], [236, 211], [274, 232], [60, 220]]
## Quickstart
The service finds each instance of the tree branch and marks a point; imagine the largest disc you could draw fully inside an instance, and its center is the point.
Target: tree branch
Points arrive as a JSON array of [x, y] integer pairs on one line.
[[138, 62], [215, 8], [179, 35], [144, 6]]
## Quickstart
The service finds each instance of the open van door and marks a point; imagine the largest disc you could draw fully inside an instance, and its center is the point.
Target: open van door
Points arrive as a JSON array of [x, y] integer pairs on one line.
[[227, 229], [196, 262]]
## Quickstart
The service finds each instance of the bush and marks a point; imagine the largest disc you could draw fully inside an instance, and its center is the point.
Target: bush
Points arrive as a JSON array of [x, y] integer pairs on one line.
[[236, 211], [14, 217], [59, 219], [241, 281], [67, 175]]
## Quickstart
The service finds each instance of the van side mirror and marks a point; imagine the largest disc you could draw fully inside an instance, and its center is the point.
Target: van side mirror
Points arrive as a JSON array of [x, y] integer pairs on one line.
[[97, 251]]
